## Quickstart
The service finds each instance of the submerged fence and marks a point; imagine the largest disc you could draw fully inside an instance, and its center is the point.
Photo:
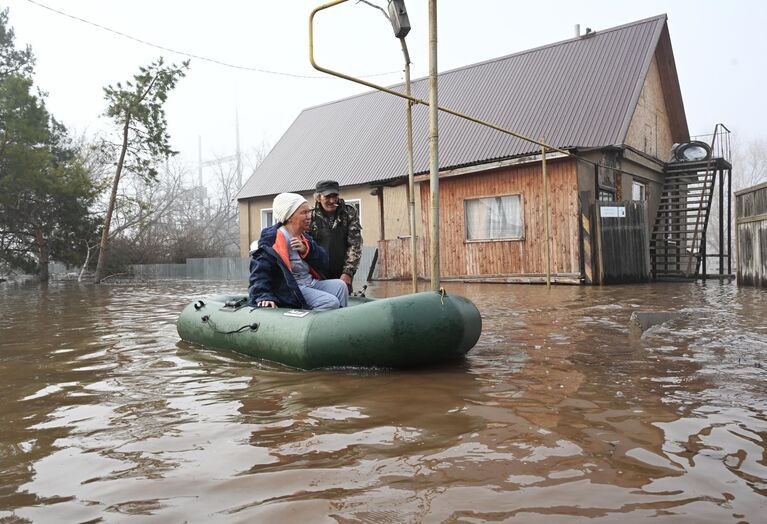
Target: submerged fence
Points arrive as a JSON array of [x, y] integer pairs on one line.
[[226, 268], [623, 245], [751, 235]]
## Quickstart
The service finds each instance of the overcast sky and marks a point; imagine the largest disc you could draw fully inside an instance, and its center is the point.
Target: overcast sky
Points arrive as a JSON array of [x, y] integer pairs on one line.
[[719, 49]]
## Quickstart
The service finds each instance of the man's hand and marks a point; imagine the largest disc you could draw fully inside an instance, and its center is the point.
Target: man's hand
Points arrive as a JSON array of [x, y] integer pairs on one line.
[[266, 303], [347, 280]]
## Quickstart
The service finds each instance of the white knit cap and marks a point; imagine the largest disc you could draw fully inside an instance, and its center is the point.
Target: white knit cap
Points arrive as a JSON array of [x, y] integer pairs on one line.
[[285, 204]]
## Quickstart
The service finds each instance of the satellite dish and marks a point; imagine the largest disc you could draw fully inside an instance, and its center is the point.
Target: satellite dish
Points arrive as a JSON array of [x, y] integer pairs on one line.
[[694, 151]]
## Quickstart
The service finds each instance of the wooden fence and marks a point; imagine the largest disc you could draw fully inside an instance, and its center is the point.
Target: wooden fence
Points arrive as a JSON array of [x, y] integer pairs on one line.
[[394, 259], [623, 248], [751, 235], [227, 269]]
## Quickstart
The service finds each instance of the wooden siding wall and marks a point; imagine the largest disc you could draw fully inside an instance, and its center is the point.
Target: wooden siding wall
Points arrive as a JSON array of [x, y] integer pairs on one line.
[[461, 258], [396, 218], [394, 259], [751, 235], [664, 58], [650, 129]]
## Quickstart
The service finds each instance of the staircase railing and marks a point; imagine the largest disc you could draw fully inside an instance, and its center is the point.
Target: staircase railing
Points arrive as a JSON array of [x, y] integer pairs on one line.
[[685, 209], [709, 181], [721, 147]]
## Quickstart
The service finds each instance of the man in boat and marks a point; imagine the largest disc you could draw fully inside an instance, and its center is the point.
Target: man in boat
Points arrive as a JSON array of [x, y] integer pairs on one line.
[[336, 227], [287, 269]]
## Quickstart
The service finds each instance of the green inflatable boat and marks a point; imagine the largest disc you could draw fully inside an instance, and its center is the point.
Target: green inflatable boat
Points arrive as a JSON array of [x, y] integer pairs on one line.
[[400, 332]]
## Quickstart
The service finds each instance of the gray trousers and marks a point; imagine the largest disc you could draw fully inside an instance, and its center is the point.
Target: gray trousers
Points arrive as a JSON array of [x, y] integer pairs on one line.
[[324, 295]]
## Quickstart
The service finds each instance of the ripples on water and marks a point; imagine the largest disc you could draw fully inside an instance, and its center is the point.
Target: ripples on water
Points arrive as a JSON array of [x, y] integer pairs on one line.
[[561, 413]]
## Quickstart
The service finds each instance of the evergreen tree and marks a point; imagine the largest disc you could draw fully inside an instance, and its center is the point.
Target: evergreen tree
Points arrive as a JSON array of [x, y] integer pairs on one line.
[[13, 61], [45, 193]]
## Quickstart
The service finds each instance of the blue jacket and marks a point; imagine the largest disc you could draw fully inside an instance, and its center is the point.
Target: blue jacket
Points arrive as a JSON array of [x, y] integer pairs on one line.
[[270, 276]]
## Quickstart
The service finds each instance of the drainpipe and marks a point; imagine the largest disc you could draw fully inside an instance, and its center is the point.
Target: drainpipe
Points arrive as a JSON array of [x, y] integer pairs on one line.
[[381, 229]]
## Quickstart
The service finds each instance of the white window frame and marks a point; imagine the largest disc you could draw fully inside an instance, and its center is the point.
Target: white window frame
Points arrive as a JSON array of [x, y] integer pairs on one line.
[[521, 235], [642, 190], [606, 193], [264, 220], [356, 202]]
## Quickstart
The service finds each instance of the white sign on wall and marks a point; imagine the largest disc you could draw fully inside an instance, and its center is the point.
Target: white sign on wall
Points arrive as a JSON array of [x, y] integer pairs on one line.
[[612, 212]]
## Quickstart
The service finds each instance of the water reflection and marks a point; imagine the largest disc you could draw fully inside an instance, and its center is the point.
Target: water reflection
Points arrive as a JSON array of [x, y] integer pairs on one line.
[[345, 417], [559, 412]]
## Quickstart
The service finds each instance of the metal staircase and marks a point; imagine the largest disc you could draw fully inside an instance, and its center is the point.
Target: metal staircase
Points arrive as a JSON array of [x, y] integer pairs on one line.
[[678, 242]]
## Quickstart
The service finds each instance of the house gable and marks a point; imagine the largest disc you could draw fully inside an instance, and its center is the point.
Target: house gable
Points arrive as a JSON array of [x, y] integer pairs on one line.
[[650, 129], [658, 120]]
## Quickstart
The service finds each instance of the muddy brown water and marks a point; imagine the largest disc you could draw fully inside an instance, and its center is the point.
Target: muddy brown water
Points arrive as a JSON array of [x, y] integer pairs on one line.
[[561, 413]]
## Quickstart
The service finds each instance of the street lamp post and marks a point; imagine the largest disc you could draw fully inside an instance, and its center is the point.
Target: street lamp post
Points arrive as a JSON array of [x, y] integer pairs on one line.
[[433, 115], [401, 24]]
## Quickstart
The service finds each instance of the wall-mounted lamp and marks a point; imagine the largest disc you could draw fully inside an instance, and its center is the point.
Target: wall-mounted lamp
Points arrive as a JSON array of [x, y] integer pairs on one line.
[[399, 19]]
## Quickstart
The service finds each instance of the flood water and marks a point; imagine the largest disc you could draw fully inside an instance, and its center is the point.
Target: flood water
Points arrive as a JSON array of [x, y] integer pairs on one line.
[[561, 413]]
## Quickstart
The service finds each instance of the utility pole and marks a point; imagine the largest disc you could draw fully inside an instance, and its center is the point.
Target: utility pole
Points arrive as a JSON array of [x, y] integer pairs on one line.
[[433, 146], [199, 170], [546, 214], [237, 150]]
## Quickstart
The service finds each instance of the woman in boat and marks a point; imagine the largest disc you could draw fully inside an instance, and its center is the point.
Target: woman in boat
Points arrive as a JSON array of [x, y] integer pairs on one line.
[[286, 270]]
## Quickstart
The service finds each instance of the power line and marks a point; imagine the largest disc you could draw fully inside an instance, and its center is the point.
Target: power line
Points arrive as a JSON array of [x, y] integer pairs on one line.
[[293, 75], [189, 55]]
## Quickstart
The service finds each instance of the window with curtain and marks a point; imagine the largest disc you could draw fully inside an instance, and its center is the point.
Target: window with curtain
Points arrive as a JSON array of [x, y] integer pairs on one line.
[[494, 218]]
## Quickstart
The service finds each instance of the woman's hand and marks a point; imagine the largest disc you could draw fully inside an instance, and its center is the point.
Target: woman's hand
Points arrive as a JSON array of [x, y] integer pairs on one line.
[[266, 303], [298, 245]]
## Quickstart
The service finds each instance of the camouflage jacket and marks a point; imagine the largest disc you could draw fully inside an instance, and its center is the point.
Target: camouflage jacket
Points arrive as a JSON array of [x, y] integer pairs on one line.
[[346, 218]]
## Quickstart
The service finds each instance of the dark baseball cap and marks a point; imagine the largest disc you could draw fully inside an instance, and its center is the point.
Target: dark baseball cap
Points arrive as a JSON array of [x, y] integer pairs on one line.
[[328, 187]]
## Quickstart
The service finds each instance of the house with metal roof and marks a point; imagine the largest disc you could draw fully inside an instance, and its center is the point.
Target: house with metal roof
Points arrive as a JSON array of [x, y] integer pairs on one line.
[[610, 98]]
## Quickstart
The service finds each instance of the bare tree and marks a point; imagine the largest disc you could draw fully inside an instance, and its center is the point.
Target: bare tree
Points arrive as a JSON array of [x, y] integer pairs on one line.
[[169, 220], [750, 164], [749, 168]]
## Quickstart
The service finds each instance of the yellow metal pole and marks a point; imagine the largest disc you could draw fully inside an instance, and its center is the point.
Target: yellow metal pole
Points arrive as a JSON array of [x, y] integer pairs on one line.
[[434, 137], [546, 215], [413, 99]]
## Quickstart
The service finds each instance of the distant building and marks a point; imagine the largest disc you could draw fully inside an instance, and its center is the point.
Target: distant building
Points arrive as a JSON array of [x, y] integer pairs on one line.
[[611, 97]]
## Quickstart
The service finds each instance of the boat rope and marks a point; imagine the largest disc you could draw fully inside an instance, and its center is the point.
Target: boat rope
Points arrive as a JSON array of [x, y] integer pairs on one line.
[[207, 320]]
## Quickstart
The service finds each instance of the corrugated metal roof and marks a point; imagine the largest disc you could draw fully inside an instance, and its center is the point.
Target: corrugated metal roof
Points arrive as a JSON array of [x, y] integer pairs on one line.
[[580, 92]]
